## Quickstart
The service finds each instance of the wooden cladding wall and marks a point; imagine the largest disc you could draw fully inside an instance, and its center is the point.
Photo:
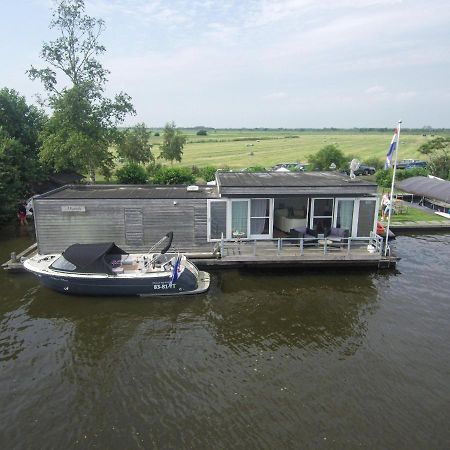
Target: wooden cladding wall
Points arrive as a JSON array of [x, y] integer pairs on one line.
[[133, 224]]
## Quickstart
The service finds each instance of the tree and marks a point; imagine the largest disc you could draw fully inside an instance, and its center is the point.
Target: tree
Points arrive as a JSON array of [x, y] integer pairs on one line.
[[330, 154], [172, 145], [134, 145], [438, 151], [202, 133], [19, 163], [131, 173], [88, 119]]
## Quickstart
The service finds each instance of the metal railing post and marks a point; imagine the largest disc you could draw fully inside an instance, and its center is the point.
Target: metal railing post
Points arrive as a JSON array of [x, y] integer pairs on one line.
[[279, 247], [348, 245], [301, 247], [254, 247], [325, 246]]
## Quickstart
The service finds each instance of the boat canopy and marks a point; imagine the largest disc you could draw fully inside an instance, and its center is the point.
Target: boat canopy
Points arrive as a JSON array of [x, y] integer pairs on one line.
[[91, 258]]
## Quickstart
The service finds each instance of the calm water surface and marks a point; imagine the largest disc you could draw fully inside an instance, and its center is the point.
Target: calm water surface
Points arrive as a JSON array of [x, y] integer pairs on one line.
[[332, 359]]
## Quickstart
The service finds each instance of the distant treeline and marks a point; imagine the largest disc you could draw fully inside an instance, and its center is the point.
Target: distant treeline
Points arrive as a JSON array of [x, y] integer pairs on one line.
[[427, 130]]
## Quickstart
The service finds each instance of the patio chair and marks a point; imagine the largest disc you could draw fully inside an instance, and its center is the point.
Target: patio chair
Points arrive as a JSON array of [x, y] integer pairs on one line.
[[308, 234], [338, 236]]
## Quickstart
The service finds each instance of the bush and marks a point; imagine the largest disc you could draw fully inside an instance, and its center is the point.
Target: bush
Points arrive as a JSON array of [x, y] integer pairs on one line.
[[255, 169], [131, 173], [384, 177], [374, 162], [173, 175], [156, 133], [208, 173], [202, 133]]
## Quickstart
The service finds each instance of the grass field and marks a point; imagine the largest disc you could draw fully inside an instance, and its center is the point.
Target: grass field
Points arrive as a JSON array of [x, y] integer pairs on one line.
[[240, 149]]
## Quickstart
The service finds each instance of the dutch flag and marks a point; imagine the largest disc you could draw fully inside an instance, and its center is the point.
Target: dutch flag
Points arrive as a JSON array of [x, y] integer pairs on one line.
[[176, 270], [391, 150]]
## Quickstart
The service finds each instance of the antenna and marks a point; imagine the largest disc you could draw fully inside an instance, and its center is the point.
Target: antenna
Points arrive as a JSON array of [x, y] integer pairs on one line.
[[354, 165]]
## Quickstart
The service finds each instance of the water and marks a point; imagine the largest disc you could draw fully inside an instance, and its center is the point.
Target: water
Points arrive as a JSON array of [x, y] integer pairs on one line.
[[332, 359]]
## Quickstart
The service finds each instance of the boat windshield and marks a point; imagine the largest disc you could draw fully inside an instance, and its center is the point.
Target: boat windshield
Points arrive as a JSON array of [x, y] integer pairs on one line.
[[62, 264]]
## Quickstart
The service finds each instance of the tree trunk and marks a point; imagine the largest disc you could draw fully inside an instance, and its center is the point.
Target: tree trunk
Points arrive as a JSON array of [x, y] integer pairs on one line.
[[92, 175]]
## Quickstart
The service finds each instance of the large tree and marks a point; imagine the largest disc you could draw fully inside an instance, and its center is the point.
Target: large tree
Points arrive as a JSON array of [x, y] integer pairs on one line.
[[134, 145], [84, 122], [438, 152], [326, 156], [20, 125], [172, 145]]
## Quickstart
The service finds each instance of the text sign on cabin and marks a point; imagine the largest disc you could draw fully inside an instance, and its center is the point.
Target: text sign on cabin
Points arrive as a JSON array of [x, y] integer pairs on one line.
[[73, 208]]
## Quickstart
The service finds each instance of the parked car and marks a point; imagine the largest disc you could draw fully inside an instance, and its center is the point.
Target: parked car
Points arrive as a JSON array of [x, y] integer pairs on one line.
[[363, 170], [404, 163], [416, 165]]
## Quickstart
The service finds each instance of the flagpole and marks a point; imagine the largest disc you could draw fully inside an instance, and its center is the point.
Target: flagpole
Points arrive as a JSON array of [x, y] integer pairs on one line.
[[391, 207]]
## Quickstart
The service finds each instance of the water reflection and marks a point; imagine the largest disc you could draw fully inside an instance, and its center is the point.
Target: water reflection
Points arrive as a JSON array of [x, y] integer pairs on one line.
[[308, 309], [242, 310]]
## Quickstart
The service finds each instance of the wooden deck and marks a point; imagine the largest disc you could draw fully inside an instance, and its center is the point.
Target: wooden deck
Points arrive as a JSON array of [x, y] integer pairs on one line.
[[271, 253]]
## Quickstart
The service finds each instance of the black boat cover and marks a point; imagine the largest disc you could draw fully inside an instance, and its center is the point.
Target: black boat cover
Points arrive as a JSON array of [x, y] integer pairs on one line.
[[92, 258]]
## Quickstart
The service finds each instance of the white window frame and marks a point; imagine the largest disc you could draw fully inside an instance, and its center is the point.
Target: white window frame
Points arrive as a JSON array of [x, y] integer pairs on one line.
[[229, 202], [208, 218], [312, 216], [355, 216]]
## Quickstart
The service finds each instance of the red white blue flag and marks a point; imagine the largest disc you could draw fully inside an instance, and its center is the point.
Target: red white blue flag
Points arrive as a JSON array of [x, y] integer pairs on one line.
[[391, 150], [176, 270]]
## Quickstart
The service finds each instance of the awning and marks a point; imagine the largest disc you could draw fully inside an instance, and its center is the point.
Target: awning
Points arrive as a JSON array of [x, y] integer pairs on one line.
[[432, 188]]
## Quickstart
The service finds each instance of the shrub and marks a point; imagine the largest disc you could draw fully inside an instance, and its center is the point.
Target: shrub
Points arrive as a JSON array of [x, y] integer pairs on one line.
[[208, 173], [173, 175], [255, 169], [374, 162], [202, 133], [156, 133], [131, 173], [384, 177]]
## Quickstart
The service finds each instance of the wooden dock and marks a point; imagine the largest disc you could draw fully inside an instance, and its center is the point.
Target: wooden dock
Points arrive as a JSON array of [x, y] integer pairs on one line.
[[272, 253], [14, 264]]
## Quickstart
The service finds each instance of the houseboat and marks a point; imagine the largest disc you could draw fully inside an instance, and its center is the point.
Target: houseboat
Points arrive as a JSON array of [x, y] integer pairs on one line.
[[241, 217]]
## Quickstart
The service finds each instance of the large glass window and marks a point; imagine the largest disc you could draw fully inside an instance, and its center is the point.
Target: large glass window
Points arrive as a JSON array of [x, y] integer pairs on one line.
[[218, 222], [323, 214], [344, 214], [366, 217], [239, 218], [259, 216]]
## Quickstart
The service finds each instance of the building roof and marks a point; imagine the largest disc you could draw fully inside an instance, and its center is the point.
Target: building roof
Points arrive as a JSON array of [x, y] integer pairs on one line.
[[293, 183], [433, 188], [129, 192]]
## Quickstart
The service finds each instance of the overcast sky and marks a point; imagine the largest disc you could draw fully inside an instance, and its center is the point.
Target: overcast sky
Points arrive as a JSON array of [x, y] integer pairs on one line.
[[257, 63]]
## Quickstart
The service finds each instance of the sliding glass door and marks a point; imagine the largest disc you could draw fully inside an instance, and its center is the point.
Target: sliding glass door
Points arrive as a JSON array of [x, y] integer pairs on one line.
[[322, 214], [344, 214], [259, 217], [239, 218]]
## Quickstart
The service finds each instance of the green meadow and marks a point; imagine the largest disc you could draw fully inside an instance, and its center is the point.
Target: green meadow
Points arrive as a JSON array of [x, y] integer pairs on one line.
[[240, 149]]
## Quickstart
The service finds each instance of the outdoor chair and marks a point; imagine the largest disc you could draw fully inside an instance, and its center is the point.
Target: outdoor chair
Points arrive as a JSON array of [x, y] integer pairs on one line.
[[308, 234], [338, 236]]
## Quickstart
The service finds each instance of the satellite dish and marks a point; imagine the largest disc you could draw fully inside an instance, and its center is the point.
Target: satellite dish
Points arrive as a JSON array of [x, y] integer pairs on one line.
[[354, 165]]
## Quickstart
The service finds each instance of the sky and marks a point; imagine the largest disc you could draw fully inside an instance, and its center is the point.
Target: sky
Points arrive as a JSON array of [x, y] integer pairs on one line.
[[257, 63]]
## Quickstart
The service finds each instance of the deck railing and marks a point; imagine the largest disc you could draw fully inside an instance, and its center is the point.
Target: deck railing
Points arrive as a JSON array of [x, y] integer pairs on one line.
[[299, 246]]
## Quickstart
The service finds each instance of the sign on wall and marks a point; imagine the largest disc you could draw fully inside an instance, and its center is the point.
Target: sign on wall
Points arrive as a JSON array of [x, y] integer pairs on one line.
[[73, 208]]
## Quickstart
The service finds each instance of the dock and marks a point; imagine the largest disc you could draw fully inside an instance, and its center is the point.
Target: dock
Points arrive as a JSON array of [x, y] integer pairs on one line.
[[14, 264]]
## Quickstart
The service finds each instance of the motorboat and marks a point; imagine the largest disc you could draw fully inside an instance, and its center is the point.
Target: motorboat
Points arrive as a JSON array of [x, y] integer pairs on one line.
[[381, 231], [104, 269]]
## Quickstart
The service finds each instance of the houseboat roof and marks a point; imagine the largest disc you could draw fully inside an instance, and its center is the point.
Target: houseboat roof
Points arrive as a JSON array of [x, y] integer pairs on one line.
[[431, 187], [130, 192], [292, 183]]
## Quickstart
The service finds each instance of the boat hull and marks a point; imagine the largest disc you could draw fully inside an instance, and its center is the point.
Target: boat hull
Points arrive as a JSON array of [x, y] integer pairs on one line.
[[109, 286]]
